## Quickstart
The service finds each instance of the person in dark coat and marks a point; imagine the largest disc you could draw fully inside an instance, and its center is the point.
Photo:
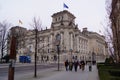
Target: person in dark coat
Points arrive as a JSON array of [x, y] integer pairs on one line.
[[76, 63], [82, 65], [90, 66], [66, 65], [79, 64], [70, 65]]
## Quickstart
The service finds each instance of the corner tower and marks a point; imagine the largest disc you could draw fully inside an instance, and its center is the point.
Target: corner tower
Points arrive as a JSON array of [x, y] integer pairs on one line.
[[62, 18]]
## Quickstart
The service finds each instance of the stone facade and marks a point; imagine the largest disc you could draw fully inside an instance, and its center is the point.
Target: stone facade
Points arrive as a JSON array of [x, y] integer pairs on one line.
[[74, 43]]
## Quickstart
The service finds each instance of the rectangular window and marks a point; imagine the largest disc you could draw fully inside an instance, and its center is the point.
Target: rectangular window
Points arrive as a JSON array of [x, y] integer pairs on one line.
[[48, 51]]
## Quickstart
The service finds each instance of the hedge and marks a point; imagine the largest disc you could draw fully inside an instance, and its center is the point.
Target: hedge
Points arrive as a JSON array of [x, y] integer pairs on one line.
[[108, 71]]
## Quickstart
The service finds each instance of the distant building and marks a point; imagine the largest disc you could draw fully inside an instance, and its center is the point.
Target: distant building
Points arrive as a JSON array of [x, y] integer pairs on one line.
[[74, 43], [115, 19]]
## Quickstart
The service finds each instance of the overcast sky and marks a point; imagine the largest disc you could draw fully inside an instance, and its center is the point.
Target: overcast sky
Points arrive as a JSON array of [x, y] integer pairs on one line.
[[89, 13]]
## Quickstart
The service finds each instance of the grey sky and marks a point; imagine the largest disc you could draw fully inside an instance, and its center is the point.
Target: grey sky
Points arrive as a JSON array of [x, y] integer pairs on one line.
[[89, 13]]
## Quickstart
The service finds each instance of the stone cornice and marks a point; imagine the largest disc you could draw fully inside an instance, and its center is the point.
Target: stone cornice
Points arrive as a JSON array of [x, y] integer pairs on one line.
[[61, 12]]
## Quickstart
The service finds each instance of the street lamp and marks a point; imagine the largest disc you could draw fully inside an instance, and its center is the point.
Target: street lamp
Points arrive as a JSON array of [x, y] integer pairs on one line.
[[58, 37], [35, 56]]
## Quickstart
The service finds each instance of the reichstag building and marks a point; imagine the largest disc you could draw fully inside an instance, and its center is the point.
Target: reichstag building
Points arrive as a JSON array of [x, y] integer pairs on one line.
[[73, 42]]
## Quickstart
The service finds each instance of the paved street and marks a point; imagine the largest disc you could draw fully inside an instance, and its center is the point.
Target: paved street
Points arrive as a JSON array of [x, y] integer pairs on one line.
[[80, 75], [23, 68], [53, 74]]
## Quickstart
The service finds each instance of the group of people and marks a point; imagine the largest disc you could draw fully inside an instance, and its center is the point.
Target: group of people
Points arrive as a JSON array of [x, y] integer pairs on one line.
[[69, 65]]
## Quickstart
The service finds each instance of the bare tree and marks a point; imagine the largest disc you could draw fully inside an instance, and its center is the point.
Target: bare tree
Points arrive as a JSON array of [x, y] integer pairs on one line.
[[108, 7], [109, 40], [108, 36], [3, 38], [107, 27], [37, 26], [114, 11], [112, 35], [36, 23]]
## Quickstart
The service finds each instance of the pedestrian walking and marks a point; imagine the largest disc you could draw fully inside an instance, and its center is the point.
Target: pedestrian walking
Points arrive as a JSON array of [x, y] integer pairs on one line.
[[70, 65], [66, 65], [76, 65], [90, 66], [82, 65], [79, 64]]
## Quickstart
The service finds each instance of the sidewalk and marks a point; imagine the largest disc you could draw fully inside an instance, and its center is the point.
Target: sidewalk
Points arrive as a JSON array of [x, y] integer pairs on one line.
[[6, 65], [53, 74]]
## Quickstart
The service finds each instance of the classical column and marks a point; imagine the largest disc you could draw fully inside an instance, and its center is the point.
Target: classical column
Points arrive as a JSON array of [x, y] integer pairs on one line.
[[51, 40], [71, 41], [61, 40]]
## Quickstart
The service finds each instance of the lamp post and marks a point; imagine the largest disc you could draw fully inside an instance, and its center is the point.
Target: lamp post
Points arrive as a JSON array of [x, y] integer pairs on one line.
[[58, 37], [35, 56]]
